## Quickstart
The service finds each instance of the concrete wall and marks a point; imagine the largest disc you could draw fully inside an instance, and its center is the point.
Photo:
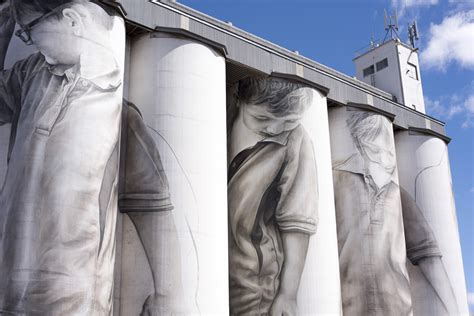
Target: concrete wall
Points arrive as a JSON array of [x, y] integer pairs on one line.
[[387, 79], [398, 77], [412, 88]]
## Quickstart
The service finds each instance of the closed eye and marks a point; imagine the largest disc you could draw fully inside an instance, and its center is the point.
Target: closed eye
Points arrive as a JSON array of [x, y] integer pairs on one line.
[[261, 118]]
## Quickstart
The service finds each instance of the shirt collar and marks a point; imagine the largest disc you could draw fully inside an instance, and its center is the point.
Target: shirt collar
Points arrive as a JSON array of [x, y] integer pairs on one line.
[[62, 70], [354, 163], [103, 72]]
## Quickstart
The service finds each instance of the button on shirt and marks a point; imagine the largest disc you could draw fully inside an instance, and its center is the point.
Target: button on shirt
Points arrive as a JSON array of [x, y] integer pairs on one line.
[[372, 256], [272, 188], [58, 203]]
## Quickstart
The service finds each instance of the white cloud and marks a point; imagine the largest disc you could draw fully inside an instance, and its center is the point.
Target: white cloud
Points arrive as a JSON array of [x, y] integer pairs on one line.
[[469, 107], [454, 110], [469, 104], [451, 41], [412, 3], [434, 107], [459, 105], [401, 6]]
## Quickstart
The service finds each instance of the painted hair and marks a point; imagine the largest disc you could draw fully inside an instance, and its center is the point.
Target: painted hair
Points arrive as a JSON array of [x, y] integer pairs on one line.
[[365, 125], [101, 14], [283, 97]]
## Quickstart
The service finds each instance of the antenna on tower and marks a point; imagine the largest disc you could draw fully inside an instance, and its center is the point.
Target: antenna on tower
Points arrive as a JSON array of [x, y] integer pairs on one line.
[[396, 20], [391, 25], [413, 33]]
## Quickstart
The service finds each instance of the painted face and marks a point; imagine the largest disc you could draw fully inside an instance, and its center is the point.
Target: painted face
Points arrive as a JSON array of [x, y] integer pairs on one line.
[[55, 42], [53, 38], [380, 150], [259, 120]]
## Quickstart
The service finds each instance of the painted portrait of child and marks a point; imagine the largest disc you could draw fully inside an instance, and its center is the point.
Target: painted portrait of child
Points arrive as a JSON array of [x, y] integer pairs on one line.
[[64, 102], [272, 195]]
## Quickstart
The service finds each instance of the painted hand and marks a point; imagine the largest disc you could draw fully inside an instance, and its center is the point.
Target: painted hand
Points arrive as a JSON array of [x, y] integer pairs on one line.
[[283, 305]]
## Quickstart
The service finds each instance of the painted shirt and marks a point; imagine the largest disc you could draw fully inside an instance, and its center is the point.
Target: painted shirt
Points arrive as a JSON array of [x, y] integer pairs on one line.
[[143, 183], [372, 255], [272, 188], [59, 200], [419, 237]]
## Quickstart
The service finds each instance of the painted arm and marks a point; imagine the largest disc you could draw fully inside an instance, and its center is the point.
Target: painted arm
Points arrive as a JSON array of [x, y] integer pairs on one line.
[[7, 26], [157, 232], [433, 270], [295, 247], [423, 251]]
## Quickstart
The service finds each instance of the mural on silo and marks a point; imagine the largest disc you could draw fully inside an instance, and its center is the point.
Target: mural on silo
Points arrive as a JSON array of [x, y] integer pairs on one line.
[[372, 253], [423, 251], [435, 268], [172, 243], [272, 192], [145, 197], [58, 202]]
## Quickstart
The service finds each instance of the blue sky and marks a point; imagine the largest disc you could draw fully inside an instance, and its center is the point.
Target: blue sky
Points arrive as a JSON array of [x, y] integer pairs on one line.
[[331, 31]]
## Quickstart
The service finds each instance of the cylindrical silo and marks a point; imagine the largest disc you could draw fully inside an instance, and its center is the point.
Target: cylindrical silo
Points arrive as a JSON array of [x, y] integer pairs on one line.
[[438, 285], [371, 240], [62, 96], [282, 236], [320, 290], [178, 86]]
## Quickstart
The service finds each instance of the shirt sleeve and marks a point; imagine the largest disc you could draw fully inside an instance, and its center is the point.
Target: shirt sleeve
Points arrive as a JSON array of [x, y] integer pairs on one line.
[[11, 81], [419, 238], [297, 208], [143, 186]]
